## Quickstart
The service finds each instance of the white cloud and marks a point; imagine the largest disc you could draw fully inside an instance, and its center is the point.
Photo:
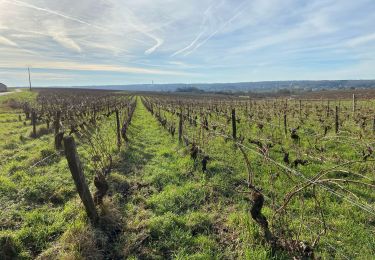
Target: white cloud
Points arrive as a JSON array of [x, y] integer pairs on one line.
[[361, 40], [36, 75], [66, 41], [104, 46], [68, 65], [6, 41], [216, 39], [49, 11]]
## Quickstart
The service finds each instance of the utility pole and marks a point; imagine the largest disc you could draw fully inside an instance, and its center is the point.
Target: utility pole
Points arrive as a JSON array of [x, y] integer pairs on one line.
[[28, 69]]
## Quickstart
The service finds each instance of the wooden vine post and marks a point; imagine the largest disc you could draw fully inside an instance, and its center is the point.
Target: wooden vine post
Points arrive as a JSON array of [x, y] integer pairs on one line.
[[94, 116], [337, 120], [28, 70], [118, 129], [285, 124], [57, 130], [354, 104], [79, 178], [33, 122], [234, 126], [180, 124]]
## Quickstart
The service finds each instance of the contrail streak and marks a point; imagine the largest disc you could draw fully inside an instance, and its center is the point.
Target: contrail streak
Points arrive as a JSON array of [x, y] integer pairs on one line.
[[239, 10], [137, 25], [6, 41], [190, 45], [158, 41], [23, 4], [198, 36], [214, 33]]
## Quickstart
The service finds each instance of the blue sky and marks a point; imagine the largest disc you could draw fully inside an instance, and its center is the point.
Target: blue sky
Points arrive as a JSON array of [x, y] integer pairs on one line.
[[88, 42]]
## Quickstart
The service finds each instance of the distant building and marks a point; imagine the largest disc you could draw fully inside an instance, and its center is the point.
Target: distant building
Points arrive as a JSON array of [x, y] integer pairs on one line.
[[3, 88]]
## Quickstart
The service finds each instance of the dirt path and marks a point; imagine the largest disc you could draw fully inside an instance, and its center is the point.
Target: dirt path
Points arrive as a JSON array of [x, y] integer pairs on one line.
[[10, 92]]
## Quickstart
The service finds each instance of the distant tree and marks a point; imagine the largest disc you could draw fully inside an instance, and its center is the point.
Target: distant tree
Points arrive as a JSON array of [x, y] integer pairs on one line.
[[284, 91], [189, 89]]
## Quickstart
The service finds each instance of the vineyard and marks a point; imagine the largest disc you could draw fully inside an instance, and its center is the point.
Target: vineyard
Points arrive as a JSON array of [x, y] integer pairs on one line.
[[114, 175]]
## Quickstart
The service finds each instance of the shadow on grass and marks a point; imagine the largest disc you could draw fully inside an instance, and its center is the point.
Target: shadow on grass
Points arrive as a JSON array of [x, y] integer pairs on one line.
[[134, 158]]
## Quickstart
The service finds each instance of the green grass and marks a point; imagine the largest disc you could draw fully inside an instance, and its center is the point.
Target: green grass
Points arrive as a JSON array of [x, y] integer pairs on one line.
[[161, 205], [172, 212], [38, 201], [227, 174]]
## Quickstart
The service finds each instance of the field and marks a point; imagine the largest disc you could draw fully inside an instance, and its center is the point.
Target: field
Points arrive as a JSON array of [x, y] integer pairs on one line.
[[187, 177]]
